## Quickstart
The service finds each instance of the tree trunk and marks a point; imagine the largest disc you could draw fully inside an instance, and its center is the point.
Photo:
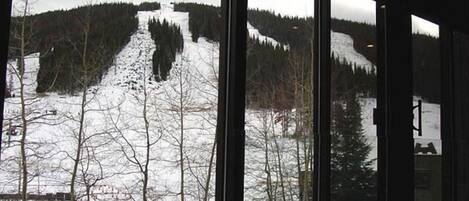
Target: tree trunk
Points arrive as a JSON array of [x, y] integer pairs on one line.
[[82, 113], [181, 145], [279, 159], [267, 164], [88, 193], [79, 147], [148, 145], [210, 165], [24, 167]]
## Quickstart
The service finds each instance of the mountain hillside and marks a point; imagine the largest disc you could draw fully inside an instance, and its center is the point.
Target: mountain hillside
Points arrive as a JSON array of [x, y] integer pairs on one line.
[[59, 36]]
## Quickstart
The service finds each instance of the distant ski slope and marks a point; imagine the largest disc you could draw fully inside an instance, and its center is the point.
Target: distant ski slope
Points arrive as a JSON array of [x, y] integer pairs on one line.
[[342, 47], [254, 33]]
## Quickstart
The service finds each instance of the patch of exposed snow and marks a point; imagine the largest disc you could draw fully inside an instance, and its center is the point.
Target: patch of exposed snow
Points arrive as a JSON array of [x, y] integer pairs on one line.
[[342, 47], [254, 33]]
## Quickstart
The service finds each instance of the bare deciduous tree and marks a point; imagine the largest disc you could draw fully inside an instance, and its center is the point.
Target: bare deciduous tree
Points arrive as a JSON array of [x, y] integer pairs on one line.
[[151, 131], [181, 91]]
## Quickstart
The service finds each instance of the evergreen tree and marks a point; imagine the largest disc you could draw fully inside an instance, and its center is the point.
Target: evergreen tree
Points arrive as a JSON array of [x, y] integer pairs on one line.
[[204, 20], [149, 6], [352, 177], [58, 37], [168, 41]]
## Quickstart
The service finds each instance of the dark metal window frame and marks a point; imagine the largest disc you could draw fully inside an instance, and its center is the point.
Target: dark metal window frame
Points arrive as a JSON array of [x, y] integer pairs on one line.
[[322, 98], [447, 119], [453, 110], [5, 10], [395, 101], [231, 102]]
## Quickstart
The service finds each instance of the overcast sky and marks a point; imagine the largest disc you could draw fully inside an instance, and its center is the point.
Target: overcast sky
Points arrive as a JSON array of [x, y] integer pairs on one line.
[[356, 10]]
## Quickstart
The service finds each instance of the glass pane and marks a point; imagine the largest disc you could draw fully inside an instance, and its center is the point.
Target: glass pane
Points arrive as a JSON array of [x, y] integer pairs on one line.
[[353, 97], [111, 101], [427, 89], [278, 162]]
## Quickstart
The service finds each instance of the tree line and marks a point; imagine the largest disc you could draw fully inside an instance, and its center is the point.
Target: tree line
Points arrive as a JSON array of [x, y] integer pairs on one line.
[[426, 67], [204, 20], [267, 75], [348, 79], [58, 36], [298, 32], [149, 6], [294, 31], [169, 41]]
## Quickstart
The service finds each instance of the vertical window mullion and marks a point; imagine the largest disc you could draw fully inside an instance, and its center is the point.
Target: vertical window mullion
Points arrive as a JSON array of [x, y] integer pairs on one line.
[[380, 73], [230, 128], [5, 7], [398, 101], [447, 114], [322, 139]]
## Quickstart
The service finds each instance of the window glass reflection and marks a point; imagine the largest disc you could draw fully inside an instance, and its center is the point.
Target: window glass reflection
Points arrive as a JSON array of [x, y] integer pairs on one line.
[[427, 89], [279, 144], [353, 97]]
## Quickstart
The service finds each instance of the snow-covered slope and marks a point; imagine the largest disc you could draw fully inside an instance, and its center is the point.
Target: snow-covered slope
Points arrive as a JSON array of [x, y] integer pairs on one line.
[[342, 47], [134, 62], [254, 33]]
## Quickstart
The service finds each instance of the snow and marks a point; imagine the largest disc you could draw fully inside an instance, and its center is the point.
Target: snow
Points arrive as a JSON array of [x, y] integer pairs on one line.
[[254, 33], [342, 47], [32, 62]]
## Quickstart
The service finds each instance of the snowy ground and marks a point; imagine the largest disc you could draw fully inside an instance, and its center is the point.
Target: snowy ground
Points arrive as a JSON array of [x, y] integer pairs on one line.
[[115, 124]]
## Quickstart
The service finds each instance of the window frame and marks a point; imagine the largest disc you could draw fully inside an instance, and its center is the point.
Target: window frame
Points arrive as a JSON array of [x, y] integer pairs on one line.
[[5, 9], [321, 100], [231, 102], [395, 164], [395, 118]]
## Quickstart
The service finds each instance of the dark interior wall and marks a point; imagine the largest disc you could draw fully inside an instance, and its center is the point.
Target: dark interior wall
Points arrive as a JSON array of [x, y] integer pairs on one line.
[[461, 114], [452, 15]]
